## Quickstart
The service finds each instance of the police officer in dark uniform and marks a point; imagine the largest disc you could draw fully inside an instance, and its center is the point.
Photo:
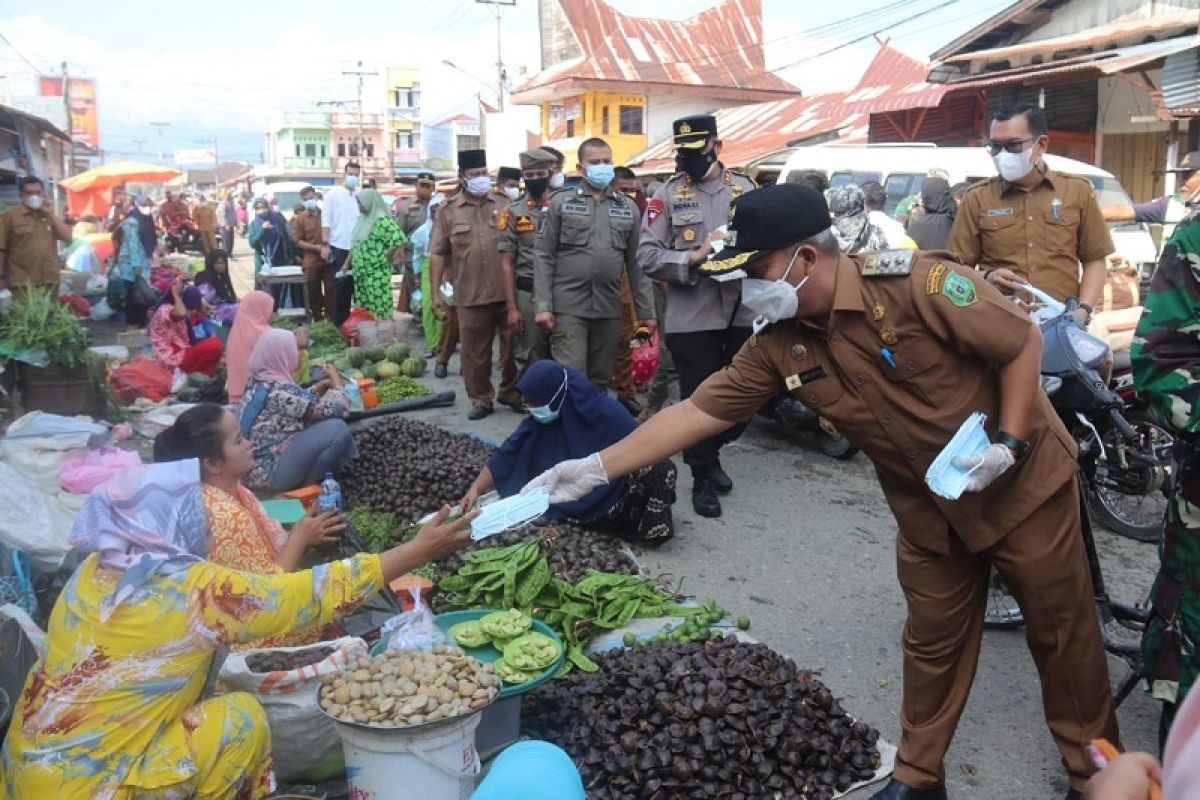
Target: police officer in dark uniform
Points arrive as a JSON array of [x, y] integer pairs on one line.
[[705, 321]]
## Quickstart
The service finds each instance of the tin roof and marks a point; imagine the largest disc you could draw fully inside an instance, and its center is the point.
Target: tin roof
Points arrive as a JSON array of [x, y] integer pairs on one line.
[[718, 51]]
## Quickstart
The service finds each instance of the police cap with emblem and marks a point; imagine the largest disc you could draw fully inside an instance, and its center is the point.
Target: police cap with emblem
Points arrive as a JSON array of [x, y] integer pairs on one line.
[[763, 221], [537, 157], [1189, 163], [508, 173], [471, 159], [426, 177], [692, 133]]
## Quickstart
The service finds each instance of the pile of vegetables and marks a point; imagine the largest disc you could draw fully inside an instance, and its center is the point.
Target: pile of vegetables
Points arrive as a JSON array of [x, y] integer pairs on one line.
[[379, 362], [716, 719], [392, 390], [410, 468], [524, 653], [571, 549], [519, 577], [39, 323]]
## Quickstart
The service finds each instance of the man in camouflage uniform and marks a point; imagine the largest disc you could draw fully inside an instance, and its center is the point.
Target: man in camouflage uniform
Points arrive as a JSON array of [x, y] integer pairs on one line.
[[1166, 369]]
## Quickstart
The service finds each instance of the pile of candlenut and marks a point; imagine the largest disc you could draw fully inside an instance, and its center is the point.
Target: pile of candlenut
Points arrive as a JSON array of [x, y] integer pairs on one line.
[[405, 688]]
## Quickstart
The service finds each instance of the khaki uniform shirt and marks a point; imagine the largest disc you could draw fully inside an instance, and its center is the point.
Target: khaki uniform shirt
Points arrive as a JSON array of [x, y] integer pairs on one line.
[[1041, 235], [465, 231], [306, 227], [206, 218], [409, 217], [30, 246], [582, 248], [519, 225], [947, 330], [678, 219]]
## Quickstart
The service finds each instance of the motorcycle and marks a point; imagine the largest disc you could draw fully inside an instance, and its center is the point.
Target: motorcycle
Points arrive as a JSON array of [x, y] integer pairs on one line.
[[794, 415], [183, 237]]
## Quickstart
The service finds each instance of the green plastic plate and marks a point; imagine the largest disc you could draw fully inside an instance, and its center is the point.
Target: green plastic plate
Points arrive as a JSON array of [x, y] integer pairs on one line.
[[285, 511], [488, 654]]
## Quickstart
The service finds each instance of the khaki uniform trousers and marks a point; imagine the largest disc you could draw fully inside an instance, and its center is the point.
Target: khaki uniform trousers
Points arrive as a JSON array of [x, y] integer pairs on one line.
[[533, 344], [1044, 563], [588, 345], [623, 370], [478, 326], [448, 335]]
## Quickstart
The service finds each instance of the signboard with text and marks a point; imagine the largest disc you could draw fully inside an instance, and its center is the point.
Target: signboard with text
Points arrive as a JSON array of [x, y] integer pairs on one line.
[[195, 156], [84, 122]]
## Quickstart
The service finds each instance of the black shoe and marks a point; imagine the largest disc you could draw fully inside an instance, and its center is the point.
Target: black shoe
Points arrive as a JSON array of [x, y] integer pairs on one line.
[[632, 406], [704, 498], [518, 407], [478, 412], [720, 480], [439, 371], [895, 790]]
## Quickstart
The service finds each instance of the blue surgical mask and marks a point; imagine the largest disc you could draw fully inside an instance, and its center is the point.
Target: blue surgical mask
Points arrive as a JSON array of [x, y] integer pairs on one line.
[[547, 413], [944, 477], [599, 175], [352, 182], [479, 185], [311, 204]]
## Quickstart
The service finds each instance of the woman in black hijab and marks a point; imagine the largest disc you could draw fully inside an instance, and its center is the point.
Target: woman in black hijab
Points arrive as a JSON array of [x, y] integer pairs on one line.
[[931, 230]]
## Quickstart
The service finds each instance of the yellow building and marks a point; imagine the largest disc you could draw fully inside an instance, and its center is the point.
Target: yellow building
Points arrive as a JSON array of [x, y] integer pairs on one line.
[[402, 117], [626, 79]]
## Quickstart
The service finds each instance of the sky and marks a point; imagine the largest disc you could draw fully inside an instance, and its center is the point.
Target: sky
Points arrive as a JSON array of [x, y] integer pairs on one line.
[[220, 69]]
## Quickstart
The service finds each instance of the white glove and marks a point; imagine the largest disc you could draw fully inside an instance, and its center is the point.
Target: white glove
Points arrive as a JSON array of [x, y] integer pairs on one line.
[[570, 480], [984, 468]]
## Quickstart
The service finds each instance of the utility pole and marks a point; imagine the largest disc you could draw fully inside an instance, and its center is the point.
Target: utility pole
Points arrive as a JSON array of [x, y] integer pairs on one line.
[[499, 57], [162, 153], [360, 74], [216, 159], [67, 108]]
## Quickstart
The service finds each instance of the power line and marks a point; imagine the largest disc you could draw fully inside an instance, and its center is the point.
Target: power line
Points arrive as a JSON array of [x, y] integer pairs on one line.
[[22, 56]]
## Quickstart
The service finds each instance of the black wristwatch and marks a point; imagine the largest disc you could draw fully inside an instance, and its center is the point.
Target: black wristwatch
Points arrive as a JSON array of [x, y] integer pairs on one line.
[[1089, 311], [1018, 446]]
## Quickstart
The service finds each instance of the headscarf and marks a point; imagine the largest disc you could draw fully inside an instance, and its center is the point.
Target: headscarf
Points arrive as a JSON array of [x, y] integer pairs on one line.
[[275, 357], [931, 230], [221, 283], [191, 297], [588, 422], [252, 321], [851, 226], [531, 770], [144, 521], [375, 207], [147, 234]]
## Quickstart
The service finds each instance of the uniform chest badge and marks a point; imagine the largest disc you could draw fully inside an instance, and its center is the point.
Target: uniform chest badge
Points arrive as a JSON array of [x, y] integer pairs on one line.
[[799, 352], [526, 224], [887, 335], [878, 312], [959, 290], [504, 216], [689, 234]]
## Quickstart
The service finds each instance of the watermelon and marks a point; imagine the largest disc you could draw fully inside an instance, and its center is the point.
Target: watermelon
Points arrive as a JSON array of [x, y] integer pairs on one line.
[[356, 375], [355, 355], [413, 367], [342, 365], [398, 352], [369, 370], [386, 369], [375, 352]]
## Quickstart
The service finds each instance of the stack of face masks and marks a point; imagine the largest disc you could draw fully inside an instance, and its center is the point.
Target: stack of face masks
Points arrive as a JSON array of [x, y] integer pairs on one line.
[[509, 513], [943, 477]]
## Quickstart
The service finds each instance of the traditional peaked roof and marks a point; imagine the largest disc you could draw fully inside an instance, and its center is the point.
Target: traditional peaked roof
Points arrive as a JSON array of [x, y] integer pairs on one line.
[[454, 118], [755, 131], [718, 51]]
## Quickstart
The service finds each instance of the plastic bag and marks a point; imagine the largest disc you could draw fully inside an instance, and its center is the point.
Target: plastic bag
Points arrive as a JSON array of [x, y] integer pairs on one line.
[[38, 444], [301, 734], [101, 311], [646, 357], [413, 630], [84, 471], [43, 528], [350, 326], [141, 378]]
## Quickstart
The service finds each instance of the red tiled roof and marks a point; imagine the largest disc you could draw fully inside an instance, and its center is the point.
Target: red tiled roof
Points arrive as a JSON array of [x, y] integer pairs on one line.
[[719, 49], [454, 118]]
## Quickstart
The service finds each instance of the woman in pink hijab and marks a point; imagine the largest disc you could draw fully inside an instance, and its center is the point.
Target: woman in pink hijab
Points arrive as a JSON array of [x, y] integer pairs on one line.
[[252, 321], [280, 418]]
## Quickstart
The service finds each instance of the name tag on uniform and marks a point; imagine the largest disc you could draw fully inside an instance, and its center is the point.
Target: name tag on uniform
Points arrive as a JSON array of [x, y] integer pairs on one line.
[[620, 212], [794, 382], [999, 212], [685, 205], [526, 225], [576, 207]]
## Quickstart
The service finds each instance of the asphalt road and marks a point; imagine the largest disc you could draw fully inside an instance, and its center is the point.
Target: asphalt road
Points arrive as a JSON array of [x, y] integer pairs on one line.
[[805, 549]]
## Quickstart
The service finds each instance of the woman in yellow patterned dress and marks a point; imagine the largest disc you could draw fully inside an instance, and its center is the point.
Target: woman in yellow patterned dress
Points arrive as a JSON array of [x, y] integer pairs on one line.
[[112, 711], [241, 535]]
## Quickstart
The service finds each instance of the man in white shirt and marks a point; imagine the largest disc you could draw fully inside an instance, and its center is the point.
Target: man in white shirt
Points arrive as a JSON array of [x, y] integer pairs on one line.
[[875, 198], [339, 212]]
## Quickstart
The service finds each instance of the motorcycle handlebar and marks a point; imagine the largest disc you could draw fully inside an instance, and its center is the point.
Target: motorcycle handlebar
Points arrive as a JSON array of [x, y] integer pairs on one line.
[[1123, 425]]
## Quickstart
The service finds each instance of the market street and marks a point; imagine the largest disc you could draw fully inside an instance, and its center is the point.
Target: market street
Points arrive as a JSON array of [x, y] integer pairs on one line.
[[805, 549]]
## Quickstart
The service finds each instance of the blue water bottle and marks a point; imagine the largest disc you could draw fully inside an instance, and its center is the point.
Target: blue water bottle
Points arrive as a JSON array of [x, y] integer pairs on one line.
[[331, 495]]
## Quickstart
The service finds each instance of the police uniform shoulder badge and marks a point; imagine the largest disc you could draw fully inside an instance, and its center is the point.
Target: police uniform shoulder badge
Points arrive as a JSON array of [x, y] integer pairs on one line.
[[959, 290], [654, 210], [504, 217], [525, 224], [888, 263], [936, 278]]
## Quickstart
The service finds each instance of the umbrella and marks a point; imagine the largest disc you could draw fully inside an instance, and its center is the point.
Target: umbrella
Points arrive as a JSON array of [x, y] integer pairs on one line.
[[118, 173]]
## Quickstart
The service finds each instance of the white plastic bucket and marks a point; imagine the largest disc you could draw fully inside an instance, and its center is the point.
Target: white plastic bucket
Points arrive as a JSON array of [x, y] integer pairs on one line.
[[438, 763]]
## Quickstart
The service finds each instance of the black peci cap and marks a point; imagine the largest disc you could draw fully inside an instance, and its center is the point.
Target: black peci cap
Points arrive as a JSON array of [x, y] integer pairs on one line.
[[691, 133], [471, 159], [508, 173], [766, 220]]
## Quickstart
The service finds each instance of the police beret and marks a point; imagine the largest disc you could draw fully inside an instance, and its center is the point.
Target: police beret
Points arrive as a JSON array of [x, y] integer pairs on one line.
[[763, 221], [537, 157]]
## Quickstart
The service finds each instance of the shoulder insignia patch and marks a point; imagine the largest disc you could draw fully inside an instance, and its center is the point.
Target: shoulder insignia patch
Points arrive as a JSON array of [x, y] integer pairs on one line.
[[654, 210], [504, 218], [525, 224], [888, 263], [937, 277], [959, 290]]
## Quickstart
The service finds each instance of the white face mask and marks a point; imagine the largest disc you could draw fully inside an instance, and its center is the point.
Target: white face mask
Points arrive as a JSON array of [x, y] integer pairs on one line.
[[479, 186], [1013, 166], [33, 201], [774, 301], [512, 192], [557, 180]]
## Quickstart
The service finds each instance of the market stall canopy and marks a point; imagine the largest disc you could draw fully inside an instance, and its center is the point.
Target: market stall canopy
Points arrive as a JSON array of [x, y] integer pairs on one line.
[[90, 193]]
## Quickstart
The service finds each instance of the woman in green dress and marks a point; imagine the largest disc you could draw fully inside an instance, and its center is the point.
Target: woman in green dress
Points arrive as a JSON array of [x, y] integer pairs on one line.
[[376, 235]]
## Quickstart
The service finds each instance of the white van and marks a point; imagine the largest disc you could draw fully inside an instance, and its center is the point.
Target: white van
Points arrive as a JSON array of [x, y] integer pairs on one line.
[[286, 194], [901, 168]]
